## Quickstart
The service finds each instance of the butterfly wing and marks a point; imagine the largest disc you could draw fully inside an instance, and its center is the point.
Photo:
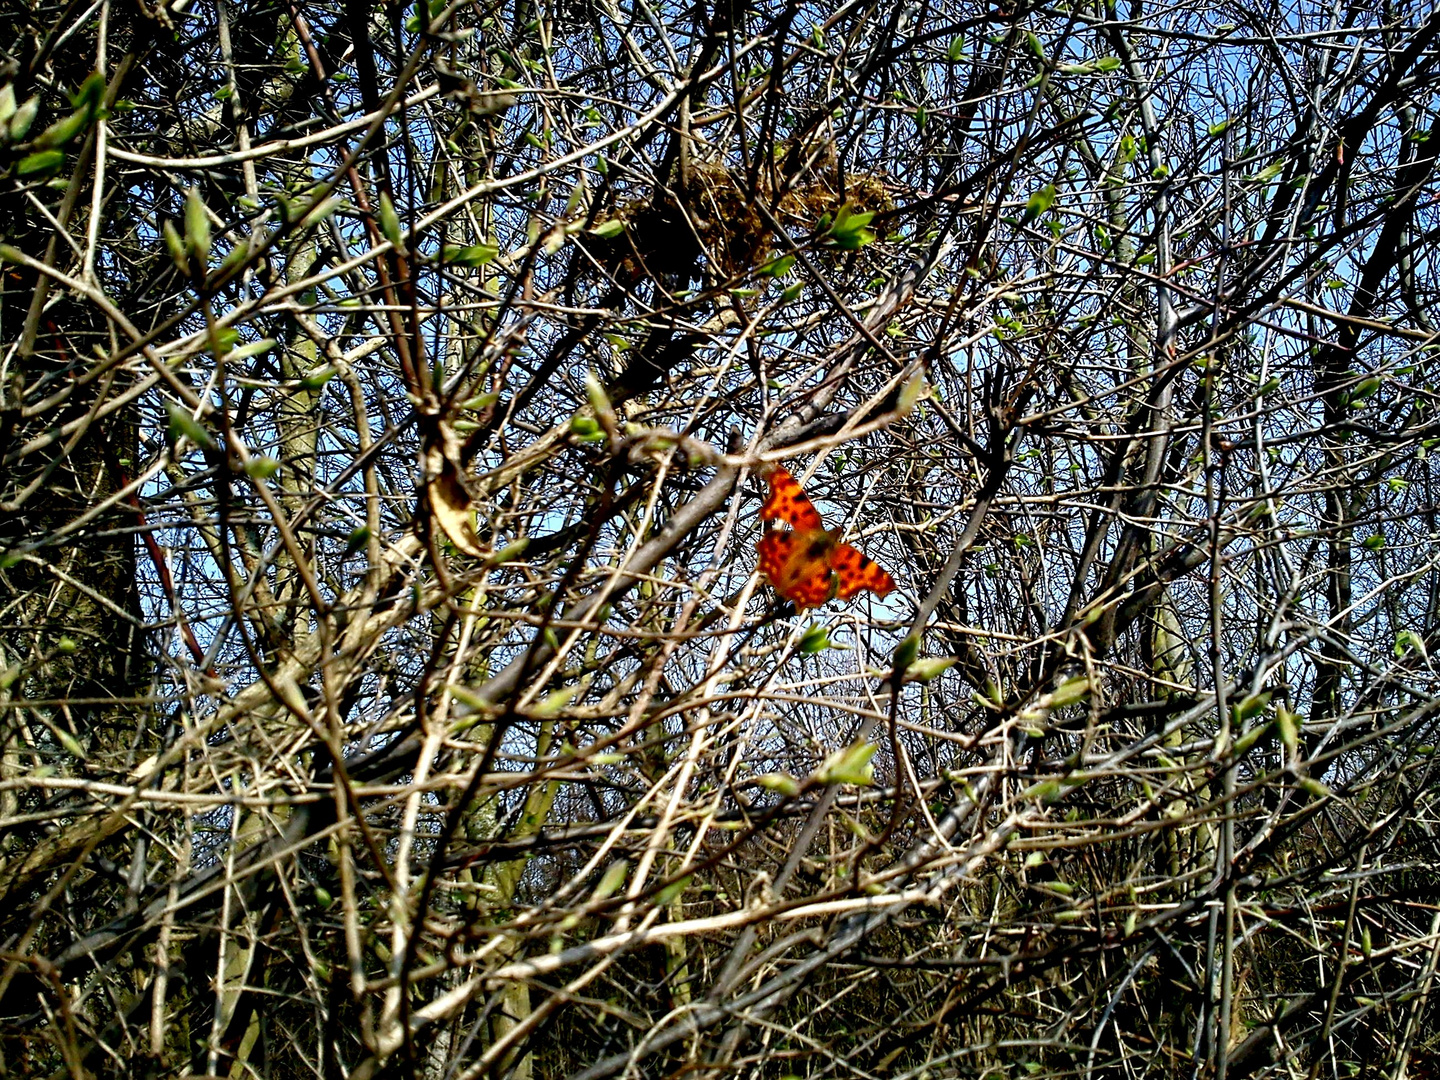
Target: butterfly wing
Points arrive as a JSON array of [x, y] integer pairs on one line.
[[788, 503], [798, 566], [855, 572]]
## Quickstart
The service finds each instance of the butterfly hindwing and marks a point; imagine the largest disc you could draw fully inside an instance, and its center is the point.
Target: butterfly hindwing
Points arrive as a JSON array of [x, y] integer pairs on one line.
[[788, 503], [798, 565], [812, 590], [775, 549], [854, 571]]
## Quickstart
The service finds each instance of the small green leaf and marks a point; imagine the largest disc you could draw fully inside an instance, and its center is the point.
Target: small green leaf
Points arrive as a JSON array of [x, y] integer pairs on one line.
[[62, 131], [183, 425], [323, 899], [69, 742], [815, 640], [929, 668], [611, 880], [608, 230], [1374, 543], [315, 378], [1221, 127], [851, 765], [1364, 389], [473, 255], [1268, 173], [1252, 705], [1046, 791], [595, 393], [1315, 787], [955, 52], [577, 193], [480, 401], [470, 702], [252, 348], [223, 339], [1108, 63], [67, 646], [780, 783], [911, 392], [848, 231], [90, 94], [555, 702], [777, 268], [390, 222], [1039, 202], [509, 553], [176, 246], [320, 212], [1070, 692], [906, 652], [1406, 640], [234, 259], [357, 539], [670, 893], [262, 468], [197, 227], [40, 163], [1249, 738], [19, 125]]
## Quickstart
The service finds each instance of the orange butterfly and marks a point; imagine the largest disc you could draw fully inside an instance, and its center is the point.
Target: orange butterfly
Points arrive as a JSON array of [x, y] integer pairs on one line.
[[806, 563]]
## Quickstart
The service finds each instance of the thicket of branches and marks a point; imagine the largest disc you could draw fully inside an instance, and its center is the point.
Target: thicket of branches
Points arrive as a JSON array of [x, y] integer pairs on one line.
[[386, 398]]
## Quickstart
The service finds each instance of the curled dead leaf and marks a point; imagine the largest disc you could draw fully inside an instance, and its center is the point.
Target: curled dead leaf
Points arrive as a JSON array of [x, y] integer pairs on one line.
[[451, 505], [449, 501]]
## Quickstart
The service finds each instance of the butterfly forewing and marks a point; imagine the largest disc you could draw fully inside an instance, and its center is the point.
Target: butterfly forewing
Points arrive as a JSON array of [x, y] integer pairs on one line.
[[788, 503]]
